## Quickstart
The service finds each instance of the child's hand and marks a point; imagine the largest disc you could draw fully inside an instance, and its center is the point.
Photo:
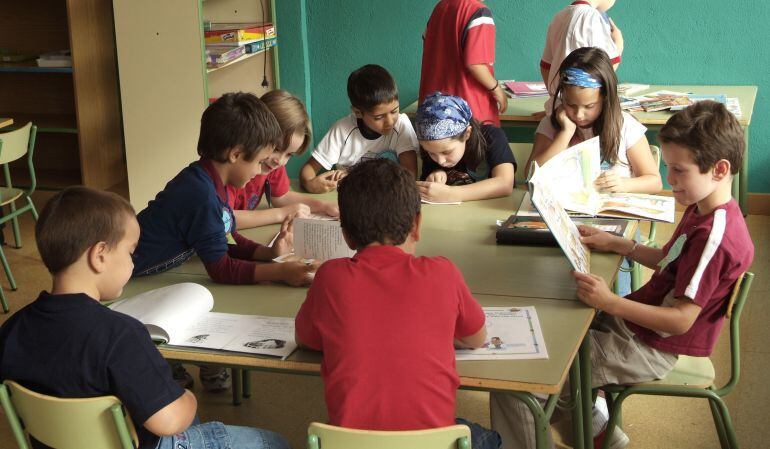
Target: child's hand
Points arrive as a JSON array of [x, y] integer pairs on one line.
[[564, 121], [331, 210], [597, 239], [284, 243], [438, 176], [500, 98], [296, 210], [325, 182], [298, 274], [436, 192], [593, 290], [609, 181]]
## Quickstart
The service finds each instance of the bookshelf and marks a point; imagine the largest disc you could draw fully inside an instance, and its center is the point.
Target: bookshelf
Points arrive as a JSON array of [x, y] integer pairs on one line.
[[165, 84], [75, 108]]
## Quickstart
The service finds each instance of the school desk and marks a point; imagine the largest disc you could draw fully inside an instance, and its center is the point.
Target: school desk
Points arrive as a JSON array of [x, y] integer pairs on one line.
[[5, 122], [520, 114], [564, 324]]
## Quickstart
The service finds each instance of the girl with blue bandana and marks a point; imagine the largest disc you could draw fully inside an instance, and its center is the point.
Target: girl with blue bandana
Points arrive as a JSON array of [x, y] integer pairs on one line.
[[589, 106], [462, 159]]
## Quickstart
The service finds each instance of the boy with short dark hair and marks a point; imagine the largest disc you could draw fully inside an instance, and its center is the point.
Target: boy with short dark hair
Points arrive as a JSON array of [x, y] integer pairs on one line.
[[681, 309], [385, 319], [68, 345], [373, 129]]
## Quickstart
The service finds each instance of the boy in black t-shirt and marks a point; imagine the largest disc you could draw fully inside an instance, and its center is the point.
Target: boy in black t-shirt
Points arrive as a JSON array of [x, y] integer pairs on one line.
[[66, 344]]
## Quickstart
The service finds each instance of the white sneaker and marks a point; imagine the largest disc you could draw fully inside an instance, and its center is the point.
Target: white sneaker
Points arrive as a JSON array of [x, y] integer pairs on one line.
[[618, 440]]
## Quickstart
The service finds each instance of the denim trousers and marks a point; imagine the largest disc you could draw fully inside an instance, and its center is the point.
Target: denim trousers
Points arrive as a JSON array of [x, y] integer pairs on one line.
[[215, 435]]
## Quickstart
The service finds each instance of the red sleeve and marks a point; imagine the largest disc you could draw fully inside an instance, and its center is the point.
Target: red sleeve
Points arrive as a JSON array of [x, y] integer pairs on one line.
[[243, 248], [228, 270], [279, 182], [471, 316], [304, 323], [480, 45]]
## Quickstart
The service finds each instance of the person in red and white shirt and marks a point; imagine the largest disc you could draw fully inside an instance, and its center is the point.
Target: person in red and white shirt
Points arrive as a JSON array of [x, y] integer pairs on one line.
[[458, 58], [681, 309]]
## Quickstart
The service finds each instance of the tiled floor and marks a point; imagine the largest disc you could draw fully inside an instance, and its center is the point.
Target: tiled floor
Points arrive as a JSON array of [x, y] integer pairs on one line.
[[288, 403]]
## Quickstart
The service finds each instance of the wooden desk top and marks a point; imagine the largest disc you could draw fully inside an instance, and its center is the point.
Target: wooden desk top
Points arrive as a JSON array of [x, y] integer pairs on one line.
[[5, 122], [520, 110], [564, 324]]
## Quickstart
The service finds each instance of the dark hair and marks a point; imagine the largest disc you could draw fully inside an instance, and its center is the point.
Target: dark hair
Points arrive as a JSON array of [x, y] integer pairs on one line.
[[475, 146], [237, 120], [710, 132], [609, 124], [378, 202], [291, 115], [371, 85], [74, 220]]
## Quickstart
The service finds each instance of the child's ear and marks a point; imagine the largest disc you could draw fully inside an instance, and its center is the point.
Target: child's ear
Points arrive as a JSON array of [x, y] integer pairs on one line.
[[721, 169], [97, 257], [415, 231], [233, 154], [467, 133], [357, 112]]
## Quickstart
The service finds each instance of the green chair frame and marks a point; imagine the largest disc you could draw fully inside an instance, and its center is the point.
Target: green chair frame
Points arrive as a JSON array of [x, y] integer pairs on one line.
[[694, 376], [14, 145], [332, 437], [66, 423]]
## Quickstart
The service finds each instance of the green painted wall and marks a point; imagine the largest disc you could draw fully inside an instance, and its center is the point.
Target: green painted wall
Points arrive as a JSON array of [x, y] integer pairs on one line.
[[667, 42]]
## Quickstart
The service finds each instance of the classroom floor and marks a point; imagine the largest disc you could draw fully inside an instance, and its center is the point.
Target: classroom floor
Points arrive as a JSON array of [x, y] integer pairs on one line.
[[288, 403]]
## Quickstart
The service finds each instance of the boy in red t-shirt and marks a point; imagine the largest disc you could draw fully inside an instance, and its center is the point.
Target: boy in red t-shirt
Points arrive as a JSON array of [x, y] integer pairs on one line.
[[387, 321], [681, 309], [458, 57]]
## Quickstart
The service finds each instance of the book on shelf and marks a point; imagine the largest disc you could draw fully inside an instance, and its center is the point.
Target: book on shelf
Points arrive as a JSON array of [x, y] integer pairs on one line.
[[61, 58], [532, 231], [258, 46], [238, 33], [218, 56], [180, 315], [526, 89], [577, 168], [512, 333]]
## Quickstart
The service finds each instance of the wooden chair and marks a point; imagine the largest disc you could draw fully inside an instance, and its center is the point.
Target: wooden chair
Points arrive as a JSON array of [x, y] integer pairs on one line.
[[15, 145], [66, 423], [694, 376], [333, 437]]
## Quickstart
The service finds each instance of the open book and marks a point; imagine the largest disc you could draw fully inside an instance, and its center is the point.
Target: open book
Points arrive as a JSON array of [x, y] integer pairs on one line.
[[512, 333], [576, 169], [180, 315], [319, 239], [563, 229]]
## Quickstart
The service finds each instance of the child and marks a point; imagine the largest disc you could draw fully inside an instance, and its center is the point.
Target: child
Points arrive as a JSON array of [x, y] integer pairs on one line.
[[192, 215], [385, 319], [375, 128], [681, 309], [581, 24], [587, 88], [295, 126], [68, 345], [458, 57], [461, 160]]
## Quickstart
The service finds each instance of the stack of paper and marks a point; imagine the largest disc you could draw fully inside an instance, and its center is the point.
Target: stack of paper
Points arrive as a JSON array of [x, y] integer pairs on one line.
[[526, 89]]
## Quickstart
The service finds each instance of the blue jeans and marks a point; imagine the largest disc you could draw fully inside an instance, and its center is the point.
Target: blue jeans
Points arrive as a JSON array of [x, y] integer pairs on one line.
[[215, 435], [481, 437]]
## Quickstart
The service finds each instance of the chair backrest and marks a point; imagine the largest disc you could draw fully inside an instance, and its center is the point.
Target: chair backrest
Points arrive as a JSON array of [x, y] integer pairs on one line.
[[734, 308], [521, 152], [332, 437], [16, 143], [66, 423]]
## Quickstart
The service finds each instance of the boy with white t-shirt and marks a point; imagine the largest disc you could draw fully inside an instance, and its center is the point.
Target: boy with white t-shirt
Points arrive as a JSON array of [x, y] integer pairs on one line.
[[374, 128]]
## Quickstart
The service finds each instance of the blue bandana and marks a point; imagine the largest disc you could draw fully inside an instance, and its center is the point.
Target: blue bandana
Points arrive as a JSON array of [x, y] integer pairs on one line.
[[579, 77], [441, 116]]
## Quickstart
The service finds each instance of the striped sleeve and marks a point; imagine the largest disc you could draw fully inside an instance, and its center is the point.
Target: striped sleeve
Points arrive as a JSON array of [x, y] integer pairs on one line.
[[478, 38], [700, 271]]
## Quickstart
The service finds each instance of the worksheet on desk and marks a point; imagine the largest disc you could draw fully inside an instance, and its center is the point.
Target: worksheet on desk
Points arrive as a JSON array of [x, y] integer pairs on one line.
[[512, 333]]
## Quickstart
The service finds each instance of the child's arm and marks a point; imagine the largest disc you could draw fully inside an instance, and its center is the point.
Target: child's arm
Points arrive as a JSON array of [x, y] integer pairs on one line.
[[499, 184], [174, 418], [313, 183], [293, 199], [408, 160], [544, 148], [617, 38], [262, 217], [544, 74], [646, 177], [484, 76], [472, 341], [674, 320], [606, 242]]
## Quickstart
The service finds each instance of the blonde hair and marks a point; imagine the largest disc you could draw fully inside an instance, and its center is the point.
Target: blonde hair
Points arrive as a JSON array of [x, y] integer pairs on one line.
[[291, 115]]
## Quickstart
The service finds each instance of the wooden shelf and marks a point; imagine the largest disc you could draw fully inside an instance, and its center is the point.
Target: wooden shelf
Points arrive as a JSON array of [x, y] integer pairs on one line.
[[236, 61], [30, 67], [46, 123]]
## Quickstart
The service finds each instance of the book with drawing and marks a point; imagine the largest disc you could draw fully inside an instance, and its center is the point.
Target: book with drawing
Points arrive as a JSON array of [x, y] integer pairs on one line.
[[577, 168], [237, 33], [512, 333], [180, 315], [563, 229]]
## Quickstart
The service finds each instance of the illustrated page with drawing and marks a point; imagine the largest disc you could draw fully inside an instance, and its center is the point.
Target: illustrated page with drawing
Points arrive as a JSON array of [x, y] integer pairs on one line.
[[512, 333]]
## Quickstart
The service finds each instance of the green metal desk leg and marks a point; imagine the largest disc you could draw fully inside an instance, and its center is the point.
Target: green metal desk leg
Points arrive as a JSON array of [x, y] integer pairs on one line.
[[542, 421], [237, 381], [246, 383], [743, 181], [585, 391], [576, 405]]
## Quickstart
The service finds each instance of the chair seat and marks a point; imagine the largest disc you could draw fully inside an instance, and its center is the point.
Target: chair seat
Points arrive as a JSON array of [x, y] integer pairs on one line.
[[8, 195], [695, 372]]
